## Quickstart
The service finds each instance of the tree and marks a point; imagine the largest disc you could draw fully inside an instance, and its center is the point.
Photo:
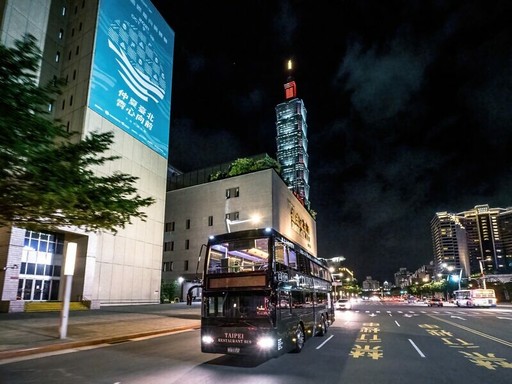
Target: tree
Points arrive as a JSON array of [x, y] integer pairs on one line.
[[246, 165], [46, 180], [168, 291]]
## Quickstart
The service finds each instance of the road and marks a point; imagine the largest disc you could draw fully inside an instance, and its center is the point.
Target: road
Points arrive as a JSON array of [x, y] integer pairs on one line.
[[376, 343]]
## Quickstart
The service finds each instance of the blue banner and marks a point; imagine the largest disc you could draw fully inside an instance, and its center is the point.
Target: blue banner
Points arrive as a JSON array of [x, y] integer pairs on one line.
[[132, 71]]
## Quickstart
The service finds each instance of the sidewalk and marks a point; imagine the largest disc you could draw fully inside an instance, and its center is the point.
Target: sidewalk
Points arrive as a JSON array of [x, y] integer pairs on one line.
[[23, 334]]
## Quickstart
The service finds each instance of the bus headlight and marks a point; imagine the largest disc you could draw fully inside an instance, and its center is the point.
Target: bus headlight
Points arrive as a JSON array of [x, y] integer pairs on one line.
[[207, 339], [266, 342]]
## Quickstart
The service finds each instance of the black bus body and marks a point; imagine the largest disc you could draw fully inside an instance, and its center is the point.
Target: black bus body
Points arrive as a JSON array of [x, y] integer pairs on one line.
[[263, 295]]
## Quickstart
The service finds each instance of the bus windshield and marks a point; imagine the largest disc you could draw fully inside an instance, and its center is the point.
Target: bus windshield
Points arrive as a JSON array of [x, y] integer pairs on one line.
[[239, 255], [237, 304]]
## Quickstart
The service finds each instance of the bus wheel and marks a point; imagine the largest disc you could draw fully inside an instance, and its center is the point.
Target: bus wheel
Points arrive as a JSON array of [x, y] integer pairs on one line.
[[300, 338], [322, 327]]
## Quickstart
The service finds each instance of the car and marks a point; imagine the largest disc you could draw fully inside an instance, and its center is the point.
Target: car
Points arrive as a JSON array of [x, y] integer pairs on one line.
[[343, 304], [435, 302]]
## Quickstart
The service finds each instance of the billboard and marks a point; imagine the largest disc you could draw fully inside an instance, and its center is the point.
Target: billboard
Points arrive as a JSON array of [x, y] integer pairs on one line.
[[132, 71]]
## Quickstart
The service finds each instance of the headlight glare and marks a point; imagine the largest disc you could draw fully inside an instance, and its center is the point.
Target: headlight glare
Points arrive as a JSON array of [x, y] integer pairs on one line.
[[266, 342]]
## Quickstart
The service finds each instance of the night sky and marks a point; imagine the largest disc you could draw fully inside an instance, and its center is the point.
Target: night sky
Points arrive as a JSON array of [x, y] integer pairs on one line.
[[409, 109]]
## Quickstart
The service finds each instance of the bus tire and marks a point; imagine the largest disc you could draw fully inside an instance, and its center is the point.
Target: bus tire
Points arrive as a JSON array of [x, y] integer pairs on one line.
[[299, 339], [322, 327]]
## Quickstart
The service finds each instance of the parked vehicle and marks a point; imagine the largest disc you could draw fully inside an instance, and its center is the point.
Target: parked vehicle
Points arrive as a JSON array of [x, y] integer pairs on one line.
[[435, 302]]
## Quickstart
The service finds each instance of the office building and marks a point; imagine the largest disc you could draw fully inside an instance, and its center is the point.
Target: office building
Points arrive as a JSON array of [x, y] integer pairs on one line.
[[477, 240], [485, 248], [505, 231], [194, 212], [449, 244], [116, 58], [292, 142]]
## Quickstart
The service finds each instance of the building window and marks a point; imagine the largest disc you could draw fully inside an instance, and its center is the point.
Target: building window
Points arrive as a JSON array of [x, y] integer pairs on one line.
[[80, 26], [77, 49], [187, 244], [74, 74], [63, 11], [233, 216], [166, 266], [169, 246], [169, 227], [57, 57], [40, 267], [71, 100], [185, 265], [187, 224], [232, 192], [61, 34], [210, 221]]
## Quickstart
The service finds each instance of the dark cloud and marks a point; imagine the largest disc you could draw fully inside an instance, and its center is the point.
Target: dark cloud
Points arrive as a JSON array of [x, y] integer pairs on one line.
[[408, 109]]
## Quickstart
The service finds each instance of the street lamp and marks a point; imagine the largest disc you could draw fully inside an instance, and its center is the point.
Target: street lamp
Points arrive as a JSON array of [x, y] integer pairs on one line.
[[229, 223], [457, 277], [180, 282], [69, 270]]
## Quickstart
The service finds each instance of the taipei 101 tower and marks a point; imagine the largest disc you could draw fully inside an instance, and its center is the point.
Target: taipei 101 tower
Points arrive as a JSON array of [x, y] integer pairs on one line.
[[292, 142]]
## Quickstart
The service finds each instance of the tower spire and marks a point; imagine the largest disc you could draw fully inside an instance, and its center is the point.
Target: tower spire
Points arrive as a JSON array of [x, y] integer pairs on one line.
[[290, 88]]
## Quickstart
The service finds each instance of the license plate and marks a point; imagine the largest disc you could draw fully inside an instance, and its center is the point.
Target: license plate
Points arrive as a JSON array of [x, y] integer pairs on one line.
[[233, 350]]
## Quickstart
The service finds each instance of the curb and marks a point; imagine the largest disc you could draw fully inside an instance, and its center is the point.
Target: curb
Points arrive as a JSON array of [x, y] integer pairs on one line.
[[9, 354]]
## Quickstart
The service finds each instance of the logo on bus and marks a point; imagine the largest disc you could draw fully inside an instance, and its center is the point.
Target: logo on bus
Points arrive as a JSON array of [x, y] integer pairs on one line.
[[234, 338]]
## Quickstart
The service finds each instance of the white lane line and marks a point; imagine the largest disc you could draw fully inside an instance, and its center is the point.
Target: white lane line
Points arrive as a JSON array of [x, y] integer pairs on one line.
[[321, 345], [396, 322], [416, 348], [504, 318]]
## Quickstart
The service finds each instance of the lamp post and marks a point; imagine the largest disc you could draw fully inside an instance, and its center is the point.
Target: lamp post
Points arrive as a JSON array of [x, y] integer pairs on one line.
[[457, 277], [180, 282], [229, 223], [482, 272], [69, 270]]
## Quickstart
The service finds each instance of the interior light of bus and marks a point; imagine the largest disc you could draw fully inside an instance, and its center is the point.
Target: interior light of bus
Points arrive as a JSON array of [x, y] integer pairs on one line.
[[268, 229], [266, 342], [207, 339]]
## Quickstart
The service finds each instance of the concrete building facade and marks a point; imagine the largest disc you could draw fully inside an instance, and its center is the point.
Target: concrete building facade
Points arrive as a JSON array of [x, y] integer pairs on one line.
[[116, 58], [195, 212]]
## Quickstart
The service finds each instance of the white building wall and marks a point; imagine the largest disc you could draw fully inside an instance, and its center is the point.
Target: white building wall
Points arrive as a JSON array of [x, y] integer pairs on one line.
[[262, 193], [111, 269], [128, 264], [25, 16]]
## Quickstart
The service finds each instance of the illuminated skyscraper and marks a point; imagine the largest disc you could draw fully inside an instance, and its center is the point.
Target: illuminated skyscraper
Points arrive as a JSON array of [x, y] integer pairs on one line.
[[292, 142], [476, 240]]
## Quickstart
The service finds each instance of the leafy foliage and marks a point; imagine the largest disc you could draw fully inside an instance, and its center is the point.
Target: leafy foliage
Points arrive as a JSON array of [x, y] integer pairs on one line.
[[168, 291], [246, 165], [46, 180]]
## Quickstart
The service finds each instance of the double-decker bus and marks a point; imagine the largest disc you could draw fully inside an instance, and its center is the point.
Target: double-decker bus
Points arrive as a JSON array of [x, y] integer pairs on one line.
[[475, 298], [263, 295]]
